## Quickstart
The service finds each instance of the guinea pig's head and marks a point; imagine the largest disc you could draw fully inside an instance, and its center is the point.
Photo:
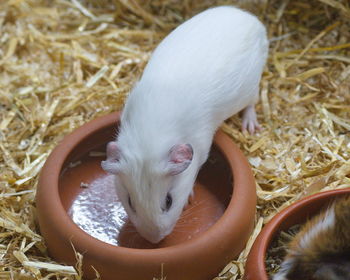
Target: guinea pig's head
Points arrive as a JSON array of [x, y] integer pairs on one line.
[[150, 188]]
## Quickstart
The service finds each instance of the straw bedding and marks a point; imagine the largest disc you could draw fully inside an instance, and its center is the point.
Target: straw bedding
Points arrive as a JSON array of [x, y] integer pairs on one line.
[[65, 62]]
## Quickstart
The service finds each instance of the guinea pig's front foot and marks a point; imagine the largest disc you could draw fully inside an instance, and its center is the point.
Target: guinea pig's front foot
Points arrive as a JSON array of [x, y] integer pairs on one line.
[[190, 198], [249, 120], [190, 201]]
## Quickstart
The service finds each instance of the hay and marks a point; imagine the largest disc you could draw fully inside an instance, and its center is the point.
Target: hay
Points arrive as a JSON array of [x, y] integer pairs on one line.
[[65, 62], [279, 249]]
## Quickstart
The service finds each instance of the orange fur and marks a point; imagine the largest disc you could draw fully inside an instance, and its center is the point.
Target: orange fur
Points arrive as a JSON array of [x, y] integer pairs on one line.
[[321, 250]]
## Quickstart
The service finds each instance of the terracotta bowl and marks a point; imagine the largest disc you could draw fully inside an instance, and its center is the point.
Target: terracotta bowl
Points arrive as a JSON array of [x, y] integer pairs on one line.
[[218, 220], [297, 213]]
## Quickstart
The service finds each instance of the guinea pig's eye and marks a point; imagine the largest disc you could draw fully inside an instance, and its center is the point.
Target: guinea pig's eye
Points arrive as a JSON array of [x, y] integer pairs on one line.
[[130, 204], [168, 202]]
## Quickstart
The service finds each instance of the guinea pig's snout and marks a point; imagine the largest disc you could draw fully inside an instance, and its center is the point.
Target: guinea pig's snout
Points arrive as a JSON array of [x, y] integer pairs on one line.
[[153, 236], [155, 239], [151, 230]]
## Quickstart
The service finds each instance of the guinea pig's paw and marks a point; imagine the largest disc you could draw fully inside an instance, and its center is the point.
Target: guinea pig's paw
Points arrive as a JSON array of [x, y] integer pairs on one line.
[[249, 120], [250, 126], [190, 198]]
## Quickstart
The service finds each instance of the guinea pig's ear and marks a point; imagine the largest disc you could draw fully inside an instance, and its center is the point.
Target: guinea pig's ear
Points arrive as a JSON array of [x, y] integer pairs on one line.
[[179, 158], [111, 165]]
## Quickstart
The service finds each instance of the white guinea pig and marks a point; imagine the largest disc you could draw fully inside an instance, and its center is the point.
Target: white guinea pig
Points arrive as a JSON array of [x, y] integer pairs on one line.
[[321, 250], [202, 73]]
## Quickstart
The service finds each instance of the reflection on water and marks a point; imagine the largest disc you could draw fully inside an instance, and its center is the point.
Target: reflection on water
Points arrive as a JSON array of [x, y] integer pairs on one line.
[[98, 212]]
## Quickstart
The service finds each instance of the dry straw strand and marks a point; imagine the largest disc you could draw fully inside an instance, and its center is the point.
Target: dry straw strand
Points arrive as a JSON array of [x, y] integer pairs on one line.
[[66, 62]]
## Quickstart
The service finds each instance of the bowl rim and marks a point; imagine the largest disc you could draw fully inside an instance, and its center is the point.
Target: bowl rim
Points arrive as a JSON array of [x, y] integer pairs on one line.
[[255, 268], [244, 195]]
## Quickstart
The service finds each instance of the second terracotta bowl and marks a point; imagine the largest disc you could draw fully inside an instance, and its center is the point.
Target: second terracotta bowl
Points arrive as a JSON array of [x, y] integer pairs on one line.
[[297, 213], [219, 222]]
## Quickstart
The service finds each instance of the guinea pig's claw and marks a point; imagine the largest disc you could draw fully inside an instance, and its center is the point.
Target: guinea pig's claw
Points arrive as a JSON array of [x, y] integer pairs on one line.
[[249, 120], [251, 126]]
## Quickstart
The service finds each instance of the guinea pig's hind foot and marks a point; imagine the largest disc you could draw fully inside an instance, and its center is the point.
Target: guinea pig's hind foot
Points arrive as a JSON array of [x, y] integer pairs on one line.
[[249, 120]]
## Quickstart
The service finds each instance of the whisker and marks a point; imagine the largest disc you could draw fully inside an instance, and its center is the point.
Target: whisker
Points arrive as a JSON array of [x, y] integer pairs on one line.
[[199, 203], [180, 231], [133, 242], [196, 211]]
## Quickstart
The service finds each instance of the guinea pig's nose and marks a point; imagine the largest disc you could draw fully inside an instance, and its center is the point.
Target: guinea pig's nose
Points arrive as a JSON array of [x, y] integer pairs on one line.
[[154, 239]]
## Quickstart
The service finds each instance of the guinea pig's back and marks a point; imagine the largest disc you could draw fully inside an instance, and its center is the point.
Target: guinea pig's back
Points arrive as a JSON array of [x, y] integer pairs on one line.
[[209, 60], [212, 44]]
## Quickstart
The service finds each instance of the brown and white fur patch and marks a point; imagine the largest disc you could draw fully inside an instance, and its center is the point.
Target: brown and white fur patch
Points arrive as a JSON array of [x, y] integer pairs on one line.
[[321, 250]]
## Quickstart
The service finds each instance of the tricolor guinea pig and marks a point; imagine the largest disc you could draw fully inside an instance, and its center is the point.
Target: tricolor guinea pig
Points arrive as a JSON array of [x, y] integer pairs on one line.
[[321, 250], [203, 72]]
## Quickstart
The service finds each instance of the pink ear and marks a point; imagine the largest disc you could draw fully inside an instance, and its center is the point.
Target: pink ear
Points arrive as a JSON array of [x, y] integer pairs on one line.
[[113, 154], [180, 157]]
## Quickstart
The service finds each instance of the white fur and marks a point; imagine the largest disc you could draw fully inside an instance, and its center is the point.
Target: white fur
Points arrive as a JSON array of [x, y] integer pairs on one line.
[[284, 269], [325, 223], [203, 72]]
